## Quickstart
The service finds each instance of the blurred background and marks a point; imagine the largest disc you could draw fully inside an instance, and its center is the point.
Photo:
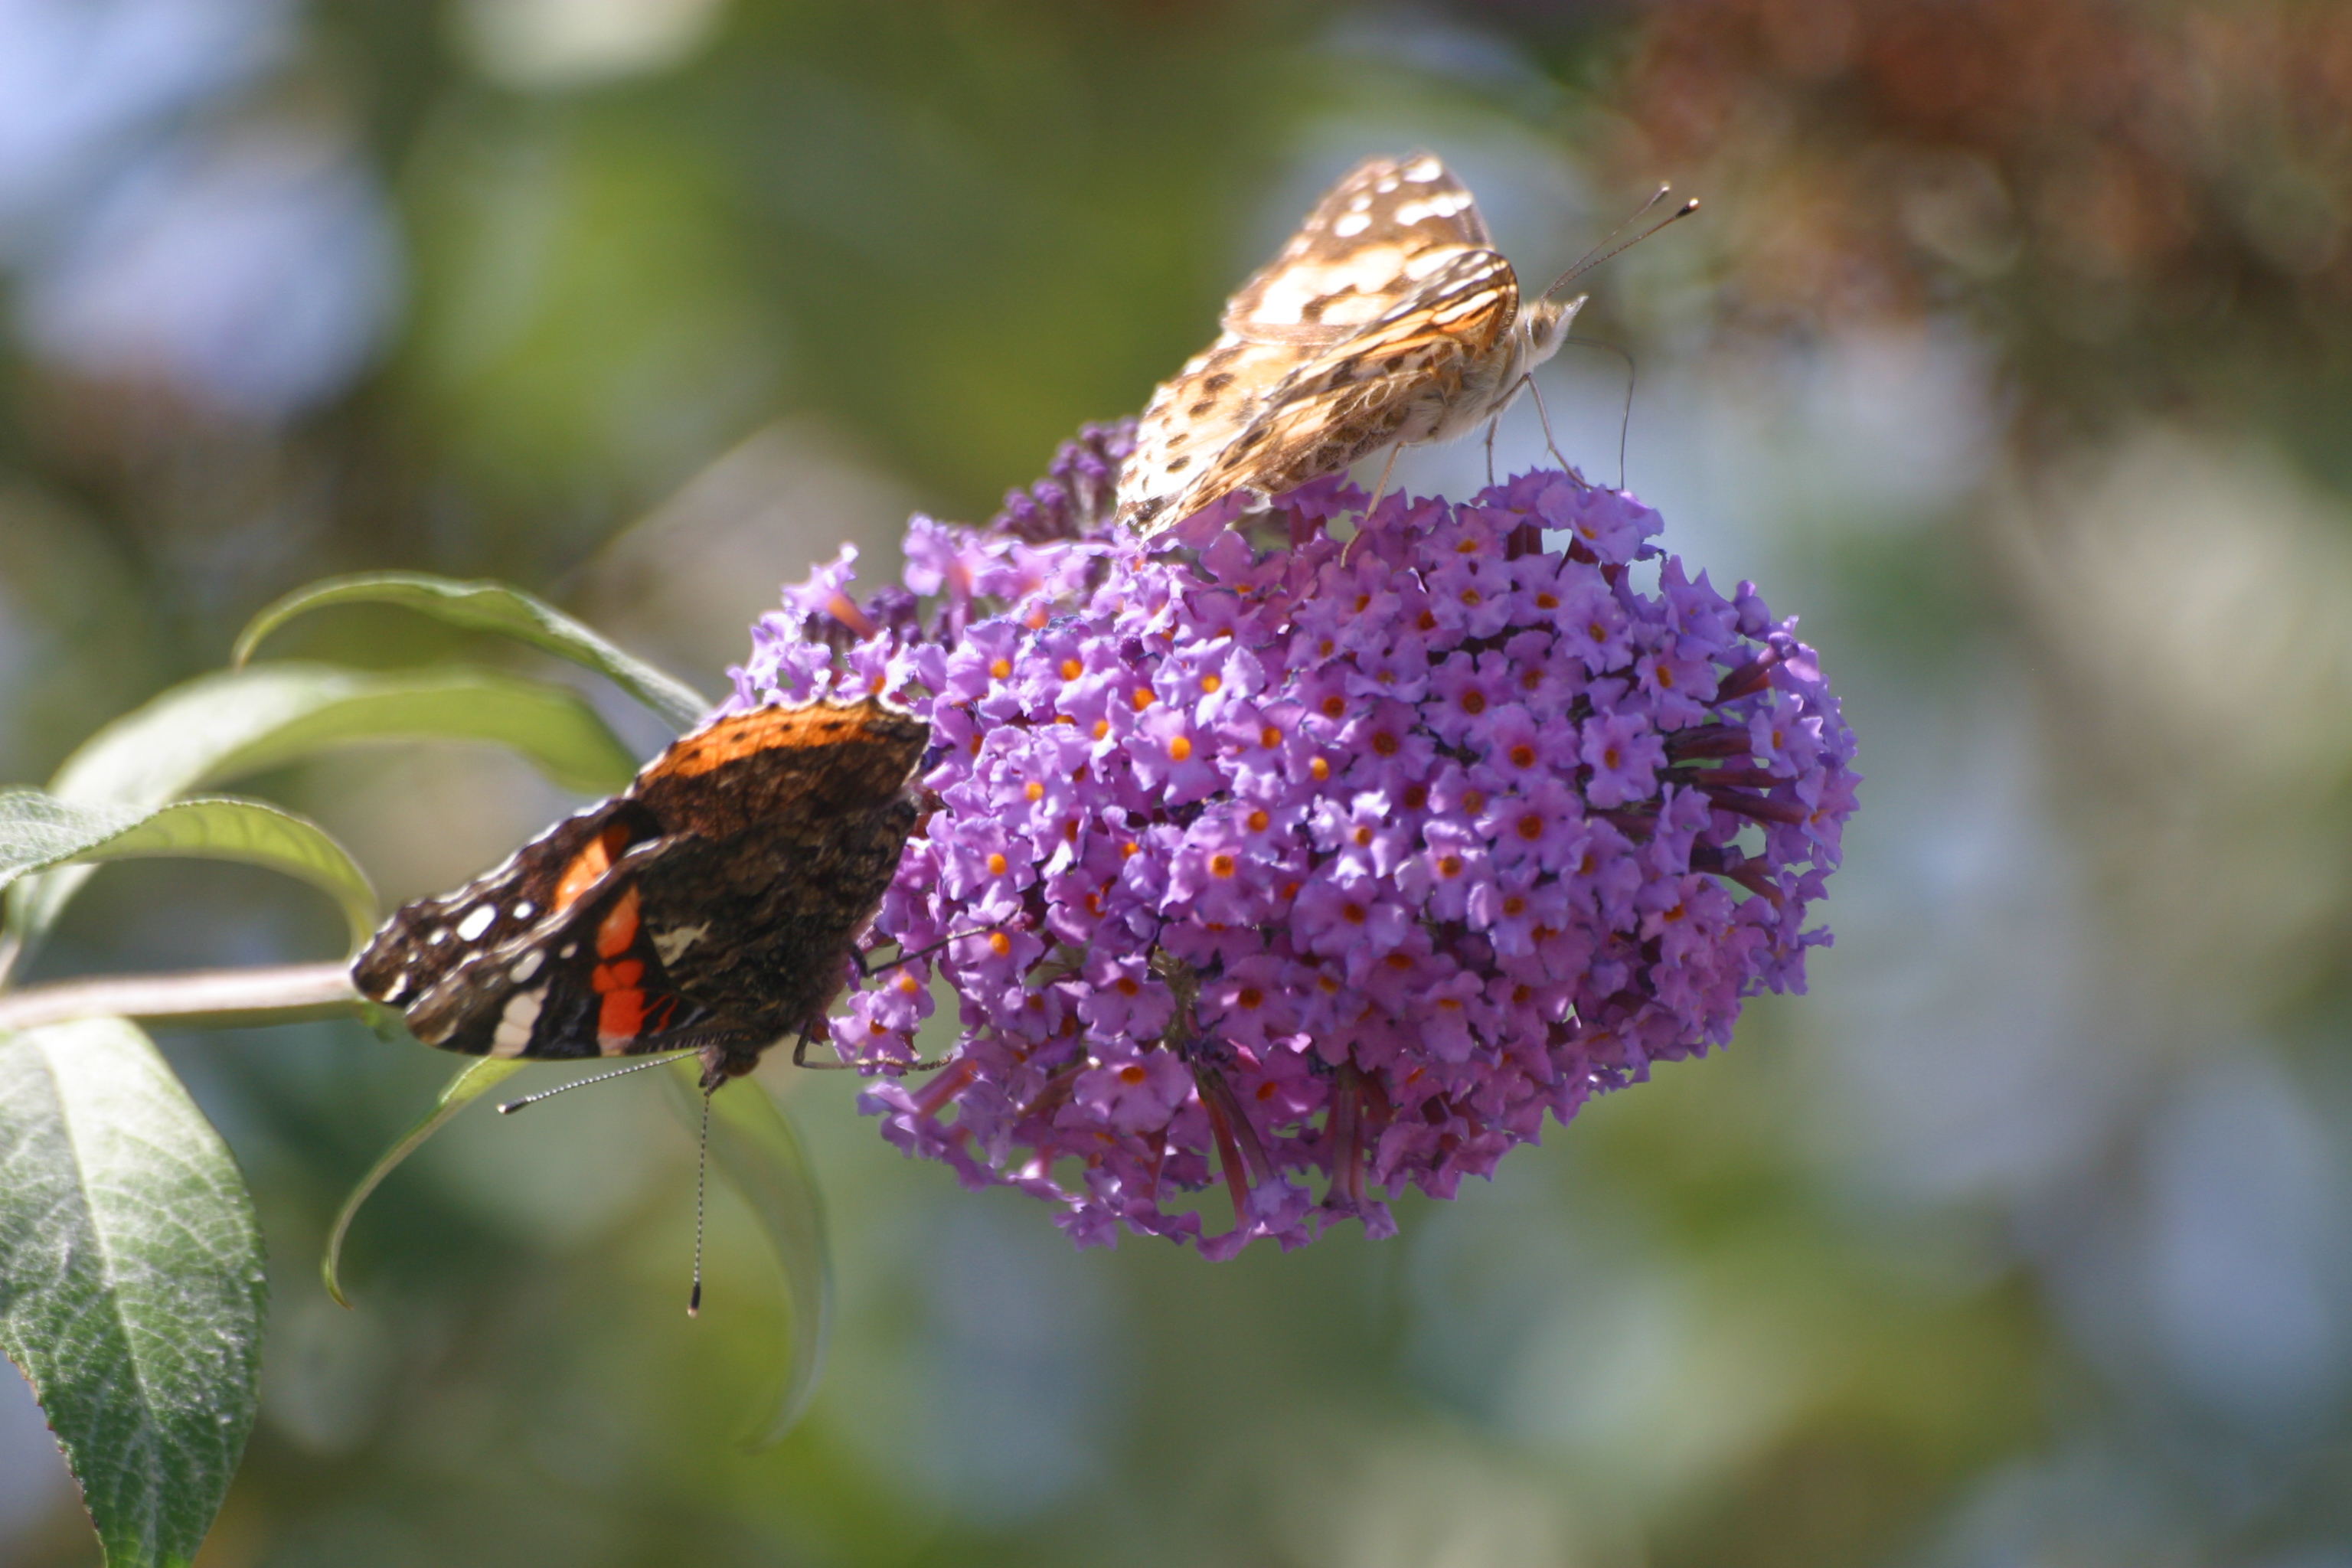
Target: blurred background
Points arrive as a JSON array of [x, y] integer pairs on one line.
[[2009, 349]]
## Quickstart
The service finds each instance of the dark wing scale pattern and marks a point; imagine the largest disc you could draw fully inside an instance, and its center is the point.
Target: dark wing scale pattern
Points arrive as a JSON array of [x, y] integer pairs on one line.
[[433, 942], [544, 998], [1352, 338], [752, 853], [1341, 407], [777, 948], [838, 757]]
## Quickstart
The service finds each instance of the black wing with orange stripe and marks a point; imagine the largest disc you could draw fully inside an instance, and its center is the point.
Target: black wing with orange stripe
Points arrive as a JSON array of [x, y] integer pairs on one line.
[[713, 905], [561, 962]]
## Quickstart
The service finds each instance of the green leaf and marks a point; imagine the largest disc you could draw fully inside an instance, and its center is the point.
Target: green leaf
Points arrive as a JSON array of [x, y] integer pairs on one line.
[[491, 607], [38, 831], [239, 722], [471, 1083], [755, 1147], [131, 1281]]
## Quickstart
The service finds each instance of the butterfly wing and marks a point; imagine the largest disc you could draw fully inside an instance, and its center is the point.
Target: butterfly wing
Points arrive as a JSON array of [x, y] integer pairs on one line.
[[434, 942], [1324, 347], [782, 762], [1389, 382], [757, 919], [1192, 422], [588, 982], [1388, 223], [567, 949], [761, 926]]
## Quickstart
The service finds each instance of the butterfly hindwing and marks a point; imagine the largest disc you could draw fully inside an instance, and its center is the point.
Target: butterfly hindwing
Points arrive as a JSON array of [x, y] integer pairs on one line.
[[812, 760], [779, 948], [1190, 427]]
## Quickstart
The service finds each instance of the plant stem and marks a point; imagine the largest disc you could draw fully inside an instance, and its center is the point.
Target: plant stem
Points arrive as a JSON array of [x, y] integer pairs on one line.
[[202, 998]]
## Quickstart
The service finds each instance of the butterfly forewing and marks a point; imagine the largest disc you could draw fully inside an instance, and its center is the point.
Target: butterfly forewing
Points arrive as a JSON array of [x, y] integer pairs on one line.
[[1389, 382], [590, 983], [1386, 317], [1352, 261], [438, 943]]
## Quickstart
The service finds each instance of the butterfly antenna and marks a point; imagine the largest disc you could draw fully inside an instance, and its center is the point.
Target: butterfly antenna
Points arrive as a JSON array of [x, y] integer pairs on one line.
[[511, 1106], [701, 1188], [1604, 251]]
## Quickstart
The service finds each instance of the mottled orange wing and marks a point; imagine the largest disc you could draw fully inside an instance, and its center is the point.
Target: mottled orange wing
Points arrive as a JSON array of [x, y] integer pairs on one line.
[[1329, 349], [1392, 380], [1388, 224]]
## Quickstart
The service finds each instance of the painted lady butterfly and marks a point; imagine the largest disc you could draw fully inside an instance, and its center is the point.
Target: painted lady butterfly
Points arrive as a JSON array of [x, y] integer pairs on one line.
[[1390, 319]]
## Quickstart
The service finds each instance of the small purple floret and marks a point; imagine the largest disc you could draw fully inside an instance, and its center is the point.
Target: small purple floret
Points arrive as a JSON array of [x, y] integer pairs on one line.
[[1348, 862]]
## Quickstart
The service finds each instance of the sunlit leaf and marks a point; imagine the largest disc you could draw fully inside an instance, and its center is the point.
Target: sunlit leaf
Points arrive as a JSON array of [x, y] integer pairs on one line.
[[491, 607], [240, 722], [754, 1146], [38, 831], [475, 1080], [131, 1281]]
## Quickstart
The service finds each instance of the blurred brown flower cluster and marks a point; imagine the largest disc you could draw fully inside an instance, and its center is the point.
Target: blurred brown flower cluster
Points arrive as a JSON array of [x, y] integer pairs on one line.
[[2121, 184]]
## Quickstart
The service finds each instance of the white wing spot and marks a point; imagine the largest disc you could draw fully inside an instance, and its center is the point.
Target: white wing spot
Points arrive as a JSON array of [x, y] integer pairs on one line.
[[567, 949], [1420, 171], [1387, 185], [668, 944], [525, 909], [526, 967], [1351, 224], [478, 920], [398, 988], [515, 1022], [439, 935], [1446, 204], [1359, 201]]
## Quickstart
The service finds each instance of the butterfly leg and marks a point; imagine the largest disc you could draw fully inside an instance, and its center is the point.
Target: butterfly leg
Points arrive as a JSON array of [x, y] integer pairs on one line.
[[1382, 487], [1492, 426], [800, 1056], [868, 972], [800, 1059], [1544, 419]]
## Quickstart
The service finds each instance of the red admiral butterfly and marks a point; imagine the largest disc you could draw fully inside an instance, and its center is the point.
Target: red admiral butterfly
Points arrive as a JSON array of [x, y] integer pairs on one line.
[[711, 906]]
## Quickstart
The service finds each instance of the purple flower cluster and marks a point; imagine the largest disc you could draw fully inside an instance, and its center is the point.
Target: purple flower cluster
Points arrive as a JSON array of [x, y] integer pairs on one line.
[[1358, 857]]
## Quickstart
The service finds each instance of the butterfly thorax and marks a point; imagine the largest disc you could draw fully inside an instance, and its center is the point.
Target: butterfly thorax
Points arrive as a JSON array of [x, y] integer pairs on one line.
[[1491, 381]]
